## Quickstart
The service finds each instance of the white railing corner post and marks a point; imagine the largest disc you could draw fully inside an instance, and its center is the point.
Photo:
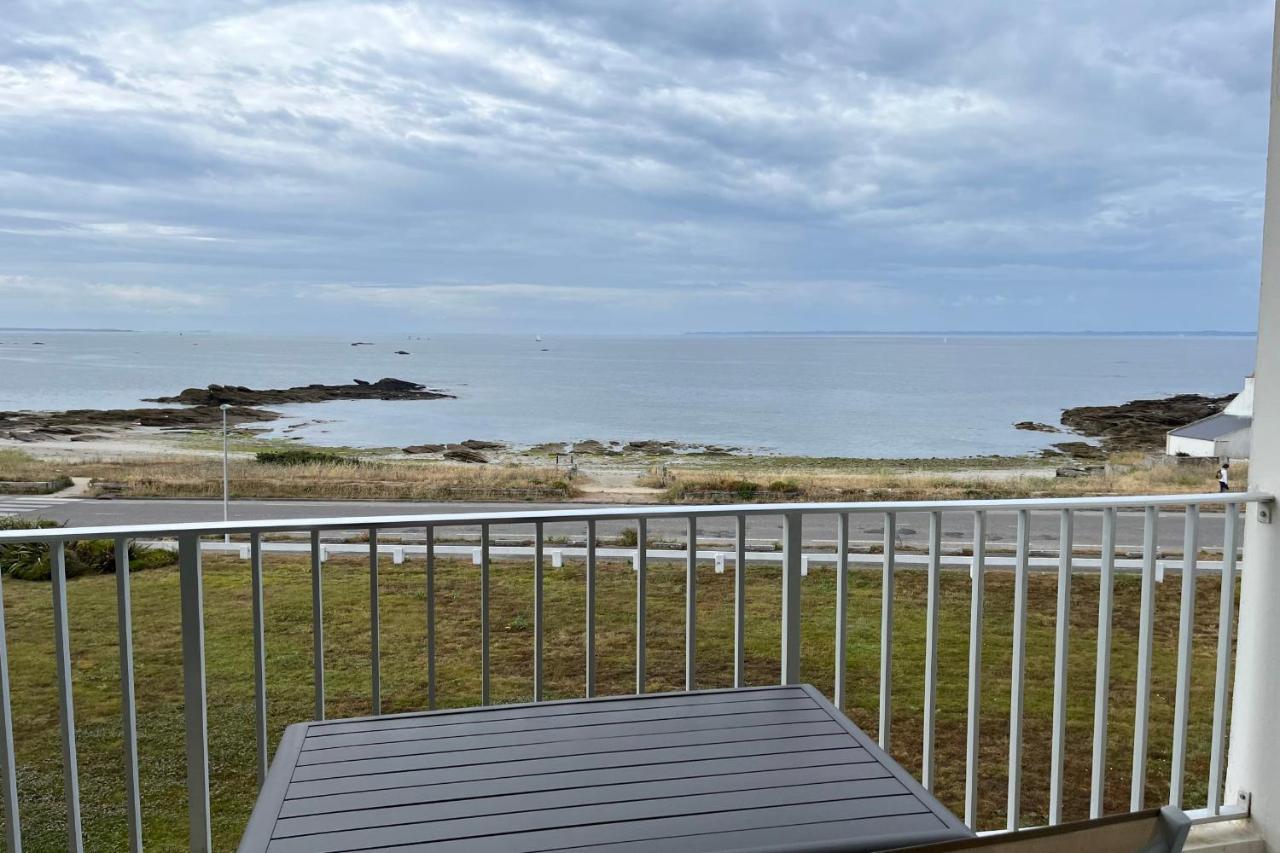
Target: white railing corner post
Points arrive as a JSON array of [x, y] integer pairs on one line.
[[1252, 768]]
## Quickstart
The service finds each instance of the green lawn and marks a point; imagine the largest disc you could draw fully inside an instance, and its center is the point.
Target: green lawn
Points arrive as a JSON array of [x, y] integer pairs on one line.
[[230, 676]]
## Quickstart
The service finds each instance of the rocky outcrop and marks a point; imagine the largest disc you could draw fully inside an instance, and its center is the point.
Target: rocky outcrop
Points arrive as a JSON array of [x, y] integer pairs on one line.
[[1141, 424], [651, 446], [464, 454], [1079, 450], [44, 426], [383, 389], [477, 444], [201, 408], [1033, 426], [414, 449]]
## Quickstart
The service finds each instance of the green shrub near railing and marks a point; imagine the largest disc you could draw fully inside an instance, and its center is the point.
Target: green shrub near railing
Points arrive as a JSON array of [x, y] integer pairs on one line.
[[303, 456], [29, 561]]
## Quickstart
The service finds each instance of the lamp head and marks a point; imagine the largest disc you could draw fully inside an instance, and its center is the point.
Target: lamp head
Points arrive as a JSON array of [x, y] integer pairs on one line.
[[225, 406]]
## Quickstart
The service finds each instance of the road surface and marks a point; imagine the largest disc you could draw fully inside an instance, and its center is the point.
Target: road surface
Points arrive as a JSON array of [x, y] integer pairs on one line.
[[913, 528]]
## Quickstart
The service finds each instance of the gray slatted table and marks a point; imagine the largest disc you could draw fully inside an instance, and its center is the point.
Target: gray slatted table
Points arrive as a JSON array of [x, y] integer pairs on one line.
[[769, 768]]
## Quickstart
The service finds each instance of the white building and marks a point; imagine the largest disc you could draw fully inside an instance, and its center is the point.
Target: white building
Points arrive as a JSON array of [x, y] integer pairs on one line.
[[1221, 436]]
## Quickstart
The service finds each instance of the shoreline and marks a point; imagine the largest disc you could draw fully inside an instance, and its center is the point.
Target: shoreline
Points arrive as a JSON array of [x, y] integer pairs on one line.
[[176, 459]]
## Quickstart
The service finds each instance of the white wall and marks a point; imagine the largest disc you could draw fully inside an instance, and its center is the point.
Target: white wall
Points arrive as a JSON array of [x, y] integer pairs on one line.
[[1254, 762], [1180, 444]]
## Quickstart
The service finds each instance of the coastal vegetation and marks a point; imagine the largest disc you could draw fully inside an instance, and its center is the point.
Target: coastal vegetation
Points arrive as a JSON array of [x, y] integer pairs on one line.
[[303, 456], [229, 650], [319, 474], [30, 562], [336, 479], [1128, 474]]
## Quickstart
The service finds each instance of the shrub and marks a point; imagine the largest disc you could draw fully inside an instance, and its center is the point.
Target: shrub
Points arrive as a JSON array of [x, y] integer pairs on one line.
[[629, 537], [30, 560], [786, 487], [303, 456]]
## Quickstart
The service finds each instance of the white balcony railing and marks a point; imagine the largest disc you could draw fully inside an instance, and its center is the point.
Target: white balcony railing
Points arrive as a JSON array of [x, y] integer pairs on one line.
[[794, 562]]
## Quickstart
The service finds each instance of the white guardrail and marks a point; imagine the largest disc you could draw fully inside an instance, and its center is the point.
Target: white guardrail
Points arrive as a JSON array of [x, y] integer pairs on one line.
[[186, 538]]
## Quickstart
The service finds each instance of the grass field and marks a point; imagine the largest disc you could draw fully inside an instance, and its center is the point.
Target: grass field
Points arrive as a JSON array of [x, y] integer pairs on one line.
[[289, 671], [201, 477], [802, 482]]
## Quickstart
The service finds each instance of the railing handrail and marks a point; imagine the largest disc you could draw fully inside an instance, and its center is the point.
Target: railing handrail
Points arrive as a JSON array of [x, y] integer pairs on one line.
[[627, 513], [793, 561]]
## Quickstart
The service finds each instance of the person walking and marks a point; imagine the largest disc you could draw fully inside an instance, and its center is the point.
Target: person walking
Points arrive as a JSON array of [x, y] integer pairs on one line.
[[1224, 484]]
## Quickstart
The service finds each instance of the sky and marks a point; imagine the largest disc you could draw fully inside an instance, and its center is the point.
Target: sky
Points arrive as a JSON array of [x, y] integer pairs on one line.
[[554, 166]]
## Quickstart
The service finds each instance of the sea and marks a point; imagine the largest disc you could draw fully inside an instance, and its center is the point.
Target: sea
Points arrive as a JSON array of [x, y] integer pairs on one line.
[[887, 396]]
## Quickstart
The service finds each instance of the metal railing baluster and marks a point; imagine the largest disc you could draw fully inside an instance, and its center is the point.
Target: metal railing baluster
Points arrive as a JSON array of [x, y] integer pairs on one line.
[[977, 593], [886, 629], [375, 625], [66, 706], [128, 702], [793, 565], [929, 741], [792, 529], [484, 614], [1146, 633], [8, 760], [538, 538], [1102, 684], [1017, 684], [691, 606], [842, 607], [317, 622], [429, 534], [740, 601], [1186, 634], [1226, 607], [642, 559], [259, 655], [591, 609], [194, 698], [1058, 755]]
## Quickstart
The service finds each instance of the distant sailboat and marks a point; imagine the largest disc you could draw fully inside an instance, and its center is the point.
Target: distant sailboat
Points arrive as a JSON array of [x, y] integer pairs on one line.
[[537, 338]]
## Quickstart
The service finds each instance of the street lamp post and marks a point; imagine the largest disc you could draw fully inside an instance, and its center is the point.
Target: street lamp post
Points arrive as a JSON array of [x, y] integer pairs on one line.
[[226, 490]]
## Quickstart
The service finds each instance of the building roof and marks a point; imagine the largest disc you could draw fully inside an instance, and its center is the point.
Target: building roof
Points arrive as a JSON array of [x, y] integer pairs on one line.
[[1213, 427]]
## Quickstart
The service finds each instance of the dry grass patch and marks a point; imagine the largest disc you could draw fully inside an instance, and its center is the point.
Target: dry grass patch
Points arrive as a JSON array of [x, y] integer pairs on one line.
[[194, 477], [805, 485]]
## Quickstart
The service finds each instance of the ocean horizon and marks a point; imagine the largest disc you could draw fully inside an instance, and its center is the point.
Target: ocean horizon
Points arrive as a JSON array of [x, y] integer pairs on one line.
[[853, 394]]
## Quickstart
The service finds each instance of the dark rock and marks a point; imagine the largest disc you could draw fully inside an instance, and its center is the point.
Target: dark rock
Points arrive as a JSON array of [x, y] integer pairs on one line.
[[423, 448], [192, 417], [588, 446], [1080, 450], [1033, 426], [657, 448], [401, 352], [1081, 470], [1141, 424], [477, 444], [362, 344], [464, 454], [383, 389]]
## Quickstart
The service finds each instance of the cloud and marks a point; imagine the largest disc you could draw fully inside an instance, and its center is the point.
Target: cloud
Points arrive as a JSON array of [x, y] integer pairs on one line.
[[608, 160]]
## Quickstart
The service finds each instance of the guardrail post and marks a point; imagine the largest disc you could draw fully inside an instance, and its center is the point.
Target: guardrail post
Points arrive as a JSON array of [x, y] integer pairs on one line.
[[66, 709], [200, 836], [792, 524]]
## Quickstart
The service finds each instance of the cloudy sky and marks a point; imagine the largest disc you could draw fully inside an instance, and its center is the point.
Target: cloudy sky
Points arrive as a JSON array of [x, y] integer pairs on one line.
[[562, 165]]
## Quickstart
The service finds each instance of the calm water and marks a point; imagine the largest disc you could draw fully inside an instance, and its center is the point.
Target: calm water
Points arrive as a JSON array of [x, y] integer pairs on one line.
[[834, 396]]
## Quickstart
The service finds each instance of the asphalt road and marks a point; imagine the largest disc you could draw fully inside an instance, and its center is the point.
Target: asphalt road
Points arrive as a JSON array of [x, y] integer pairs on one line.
[[912, 528]]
